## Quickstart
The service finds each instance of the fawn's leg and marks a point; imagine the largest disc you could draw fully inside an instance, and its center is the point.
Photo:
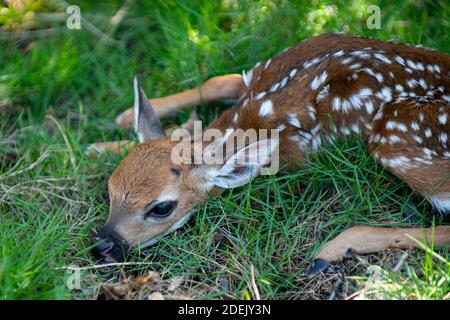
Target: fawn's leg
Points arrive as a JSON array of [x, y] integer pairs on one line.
[[229, 86], [94, 150], [365, 239], [411, 141]]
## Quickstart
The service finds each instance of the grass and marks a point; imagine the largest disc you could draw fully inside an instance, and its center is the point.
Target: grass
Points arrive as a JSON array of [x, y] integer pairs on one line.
[[63, 91]]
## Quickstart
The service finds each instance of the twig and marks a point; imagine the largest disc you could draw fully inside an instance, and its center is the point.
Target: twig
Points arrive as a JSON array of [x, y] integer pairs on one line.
[[400, 262], [356, 294], [253, 282], [106, 265], [335, 289], [120, 14]]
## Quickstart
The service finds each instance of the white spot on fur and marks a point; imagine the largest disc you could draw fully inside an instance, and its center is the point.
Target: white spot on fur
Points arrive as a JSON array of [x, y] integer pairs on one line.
[[443, 118], [391, 125], [347, 61], [338, 54], [281, 127], [336, 103], [399, 88], [400, 60], [378, 76], [385, 94], [394, 139], [421, 117], [245, 103], [418, 139], [345, 131], [235, 118], [400, 162], [311, 112], [346, 106], [310, 63], [443, 138], [247, 77], [381, 57], [293, 119], [369, 106], [274, 87], [293, 73], [355, 128], [318, 80], [266, 108], [260, 95], [323, 93], [415, 126], [284, 82]]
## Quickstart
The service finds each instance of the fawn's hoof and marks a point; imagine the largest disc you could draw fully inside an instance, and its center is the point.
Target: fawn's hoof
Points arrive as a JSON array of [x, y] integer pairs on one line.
[[318, 266]]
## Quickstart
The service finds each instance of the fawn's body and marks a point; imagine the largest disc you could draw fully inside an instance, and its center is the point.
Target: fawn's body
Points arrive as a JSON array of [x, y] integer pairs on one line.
[[396, 96]]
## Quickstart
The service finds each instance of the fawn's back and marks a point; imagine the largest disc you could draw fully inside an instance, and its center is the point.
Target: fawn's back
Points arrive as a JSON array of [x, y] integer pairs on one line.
[[395, 95], [339, 85]]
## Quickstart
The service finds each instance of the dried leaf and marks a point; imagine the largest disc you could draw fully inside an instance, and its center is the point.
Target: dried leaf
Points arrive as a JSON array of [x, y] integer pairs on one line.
[[156, 296]]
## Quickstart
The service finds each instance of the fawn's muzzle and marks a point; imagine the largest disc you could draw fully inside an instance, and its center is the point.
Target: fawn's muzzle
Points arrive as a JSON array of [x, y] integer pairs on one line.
[[109, 246]]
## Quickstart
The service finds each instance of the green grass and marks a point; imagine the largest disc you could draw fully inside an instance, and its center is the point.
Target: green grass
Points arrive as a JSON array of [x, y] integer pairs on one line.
[[61, 92]]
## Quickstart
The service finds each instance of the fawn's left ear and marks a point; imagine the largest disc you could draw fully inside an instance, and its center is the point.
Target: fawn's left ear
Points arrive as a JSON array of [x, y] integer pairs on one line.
[[244, 165], [146, 123]]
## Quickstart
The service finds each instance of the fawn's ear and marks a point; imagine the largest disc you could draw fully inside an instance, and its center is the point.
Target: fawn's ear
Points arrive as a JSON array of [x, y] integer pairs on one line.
[[146, 123], [244, 165]]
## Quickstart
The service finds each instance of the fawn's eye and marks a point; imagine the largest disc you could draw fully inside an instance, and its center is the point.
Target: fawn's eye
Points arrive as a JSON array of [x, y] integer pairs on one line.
[[161, 210]]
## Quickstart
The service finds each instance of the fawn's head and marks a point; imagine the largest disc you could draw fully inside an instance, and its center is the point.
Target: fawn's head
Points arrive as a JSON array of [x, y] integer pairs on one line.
[[151, 195]]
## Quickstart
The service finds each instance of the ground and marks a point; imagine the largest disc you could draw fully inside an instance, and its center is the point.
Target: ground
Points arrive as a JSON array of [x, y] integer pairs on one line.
[[61, 90]]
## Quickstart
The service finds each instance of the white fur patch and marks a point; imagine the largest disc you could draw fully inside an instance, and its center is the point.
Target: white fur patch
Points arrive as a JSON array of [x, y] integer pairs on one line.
[[443, 118], [293, 119], [441, 202], [266, 108], [247, 77]]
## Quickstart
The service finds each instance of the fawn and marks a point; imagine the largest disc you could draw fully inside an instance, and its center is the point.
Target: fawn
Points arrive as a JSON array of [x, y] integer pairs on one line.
[[396, 96]]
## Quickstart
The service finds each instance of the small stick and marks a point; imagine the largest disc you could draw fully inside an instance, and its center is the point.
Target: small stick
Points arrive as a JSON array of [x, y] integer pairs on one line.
[[255, 288], [400, 262], [106, 265]]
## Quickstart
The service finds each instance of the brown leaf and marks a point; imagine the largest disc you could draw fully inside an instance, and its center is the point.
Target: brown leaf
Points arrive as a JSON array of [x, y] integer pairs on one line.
[[156, 296]]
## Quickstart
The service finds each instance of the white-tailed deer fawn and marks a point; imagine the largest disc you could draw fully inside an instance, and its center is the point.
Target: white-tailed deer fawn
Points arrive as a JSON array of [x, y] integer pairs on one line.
[[396, 96]]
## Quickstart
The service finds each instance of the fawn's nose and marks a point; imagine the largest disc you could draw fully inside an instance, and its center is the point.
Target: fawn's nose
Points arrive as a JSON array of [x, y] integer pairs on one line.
[[109, 246]]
